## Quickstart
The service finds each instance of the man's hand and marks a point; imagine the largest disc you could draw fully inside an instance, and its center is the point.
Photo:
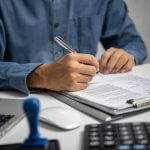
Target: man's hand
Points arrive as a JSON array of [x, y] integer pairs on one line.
[[72, 72], [116, 60]]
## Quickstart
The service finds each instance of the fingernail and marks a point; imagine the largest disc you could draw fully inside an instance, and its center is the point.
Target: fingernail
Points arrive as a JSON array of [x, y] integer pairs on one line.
[[122, 71], [101, 70], [113, 71], [97, 70], [106, 71]]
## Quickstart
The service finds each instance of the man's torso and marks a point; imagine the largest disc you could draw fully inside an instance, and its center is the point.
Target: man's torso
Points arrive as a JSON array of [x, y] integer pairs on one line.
[[30, 27]]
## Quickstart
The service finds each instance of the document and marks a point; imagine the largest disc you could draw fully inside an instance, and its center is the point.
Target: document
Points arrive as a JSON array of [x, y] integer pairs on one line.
[[113, 91]]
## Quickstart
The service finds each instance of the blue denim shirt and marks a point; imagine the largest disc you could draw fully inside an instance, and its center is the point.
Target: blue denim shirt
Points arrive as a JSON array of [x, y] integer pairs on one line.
[[28, 27]]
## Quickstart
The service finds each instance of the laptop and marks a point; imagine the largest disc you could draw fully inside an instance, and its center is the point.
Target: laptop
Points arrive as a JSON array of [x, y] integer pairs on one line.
[[10, 114]]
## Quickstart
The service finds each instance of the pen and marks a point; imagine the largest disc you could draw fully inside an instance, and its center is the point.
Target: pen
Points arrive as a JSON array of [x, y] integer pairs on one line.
[[131, 101], [141, 103], [64, 44]]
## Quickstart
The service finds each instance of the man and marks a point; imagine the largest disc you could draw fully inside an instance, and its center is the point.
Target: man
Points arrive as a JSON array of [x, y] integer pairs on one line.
[[31, 59]]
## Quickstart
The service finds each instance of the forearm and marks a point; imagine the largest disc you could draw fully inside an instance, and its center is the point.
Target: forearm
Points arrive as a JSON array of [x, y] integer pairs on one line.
[[120, 32]]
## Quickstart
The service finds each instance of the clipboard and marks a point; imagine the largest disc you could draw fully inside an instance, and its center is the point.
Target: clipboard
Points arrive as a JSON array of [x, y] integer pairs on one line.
[[101, 113]]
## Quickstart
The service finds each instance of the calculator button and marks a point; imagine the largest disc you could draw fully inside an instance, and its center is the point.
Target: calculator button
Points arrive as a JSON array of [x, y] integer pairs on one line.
[[94, 144], [139, 147], [136, 128], [144, 141], [126, 137], [128, 142], [123, 129], [138, 132], [108, 137], [109, 127], [94, 129], [123, 133], [94, 138], [94, 133], [140, 137], [123, 147], [109, 133], [109, 143]]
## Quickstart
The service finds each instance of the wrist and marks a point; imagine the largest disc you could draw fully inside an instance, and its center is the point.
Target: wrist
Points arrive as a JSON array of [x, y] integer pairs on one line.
[[37, 78]]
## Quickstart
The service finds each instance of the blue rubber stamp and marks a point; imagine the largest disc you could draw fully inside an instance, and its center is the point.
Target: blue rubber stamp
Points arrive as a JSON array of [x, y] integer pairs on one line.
[[31, 108]]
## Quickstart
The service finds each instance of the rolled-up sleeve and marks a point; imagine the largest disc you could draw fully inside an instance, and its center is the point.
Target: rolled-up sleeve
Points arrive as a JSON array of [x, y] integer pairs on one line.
[[120, 32]]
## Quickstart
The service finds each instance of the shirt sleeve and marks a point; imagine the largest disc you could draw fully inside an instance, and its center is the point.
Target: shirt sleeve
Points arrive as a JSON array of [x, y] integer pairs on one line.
[[120, 32], [13, 75]]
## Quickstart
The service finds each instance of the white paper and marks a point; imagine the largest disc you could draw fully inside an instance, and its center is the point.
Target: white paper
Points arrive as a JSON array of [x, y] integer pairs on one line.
[[114, 90]]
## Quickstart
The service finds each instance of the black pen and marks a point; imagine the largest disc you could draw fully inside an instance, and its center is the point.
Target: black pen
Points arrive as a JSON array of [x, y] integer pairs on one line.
[[131, 101]]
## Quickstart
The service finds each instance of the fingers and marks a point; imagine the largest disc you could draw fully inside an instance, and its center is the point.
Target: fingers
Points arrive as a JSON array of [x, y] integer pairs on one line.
[[88, 60], [84, 78], [87, 70], [78, 82], [120, 63], [114, 60], [128, 66], [83, 63], [105, 58], [123, 64]]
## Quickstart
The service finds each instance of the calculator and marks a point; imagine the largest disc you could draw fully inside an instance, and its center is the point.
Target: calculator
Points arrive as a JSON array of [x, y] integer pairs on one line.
[[117, 136]]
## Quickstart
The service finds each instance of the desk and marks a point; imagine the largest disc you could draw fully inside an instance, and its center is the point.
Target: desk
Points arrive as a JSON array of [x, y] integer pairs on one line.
[[69, 140]]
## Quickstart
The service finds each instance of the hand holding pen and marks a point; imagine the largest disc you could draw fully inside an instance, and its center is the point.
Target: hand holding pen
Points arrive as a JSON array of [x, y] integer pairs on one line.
[[71, 72], [69, 48]]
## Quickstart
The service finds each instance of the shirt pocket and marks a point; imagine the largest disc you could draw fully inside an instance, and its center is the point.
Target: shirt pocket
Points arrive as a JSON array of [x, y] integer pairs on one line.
[[85, 8]]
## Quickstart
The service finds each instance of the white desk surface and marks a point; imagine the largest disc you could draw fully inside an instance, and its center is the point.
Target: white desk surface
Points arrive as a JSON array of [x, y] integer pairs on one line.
[[69, 140]]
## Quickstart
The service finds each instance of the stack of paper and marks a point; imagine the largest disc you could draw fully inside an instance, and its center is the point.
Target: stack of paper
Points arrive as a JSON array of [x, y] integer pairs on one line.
[[113, 91]]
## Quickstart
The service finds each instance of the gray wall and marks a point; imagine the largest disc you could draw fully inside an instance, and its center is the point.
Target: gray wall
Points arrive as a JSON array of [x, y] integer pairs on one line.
[[139, 11]]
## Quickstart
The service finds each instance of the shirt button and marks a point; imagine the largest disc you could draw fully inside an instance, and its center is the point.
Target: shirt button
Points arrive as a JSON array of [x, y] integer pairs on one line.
[[56, 25], [57, 54]]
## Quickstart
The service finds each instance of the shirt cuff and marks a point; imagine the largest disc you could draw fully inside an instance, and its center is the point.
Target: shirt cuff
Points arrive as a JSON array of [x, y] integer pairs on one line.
[[139, 56], [17, 76]]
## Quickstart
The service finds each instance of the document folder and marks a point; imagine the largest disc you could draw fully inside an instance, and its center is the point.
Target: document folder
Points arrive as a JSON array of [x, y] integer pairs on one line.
[[103, 114], [106, 96]]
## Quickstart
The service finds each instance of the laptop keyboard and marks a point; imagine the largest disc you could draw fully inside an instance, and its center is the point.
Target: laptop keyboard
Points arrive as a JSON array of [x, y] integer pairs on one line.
[[4, 119]]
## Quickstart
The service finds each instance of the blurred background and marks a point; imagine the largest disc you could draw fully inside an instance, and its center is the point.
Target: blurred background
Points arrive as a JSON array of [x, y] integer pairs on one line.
[[139, 11]]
